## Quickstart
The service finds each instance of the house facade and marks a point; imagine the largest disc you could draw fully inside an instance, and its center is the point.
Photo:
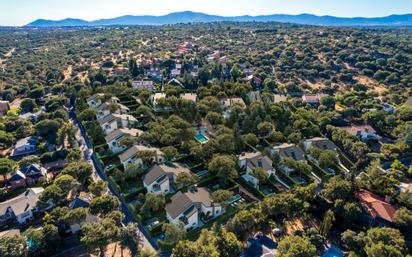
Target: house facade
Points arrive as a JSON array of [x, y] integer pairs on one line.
[[113, 122], [113, 139], [193, 208], [161, 178], [21, 208], [111, 108], [131, 156], [24, 147], [250, 161]]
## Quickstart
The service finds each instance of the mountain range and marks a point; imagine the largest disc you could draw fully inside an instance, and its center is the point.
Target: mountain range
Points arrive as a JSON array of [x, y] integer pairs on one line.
[[195, 17]]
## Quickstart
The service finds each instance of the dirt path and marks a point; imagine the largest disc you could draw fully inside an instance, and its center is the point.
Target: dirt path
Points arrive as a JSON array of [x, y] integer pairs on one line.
[[68, 72], [6, 57]]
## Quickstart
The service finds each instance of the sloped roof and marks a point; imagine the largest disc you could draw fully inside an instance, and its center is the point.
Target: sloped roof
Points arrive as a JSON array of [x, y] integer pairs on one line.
[[118, 133], [321, 143], [79, 202], [376, 205], [158, 171], [179, 203], [138, 148], [290, 151], [112, 117], [359, 128], [22, 203]]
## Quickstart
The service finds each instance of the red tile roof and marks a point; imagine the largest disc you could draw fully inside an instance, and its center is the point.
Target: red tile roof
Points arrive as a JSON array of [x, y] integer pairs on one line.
[[376, 205]]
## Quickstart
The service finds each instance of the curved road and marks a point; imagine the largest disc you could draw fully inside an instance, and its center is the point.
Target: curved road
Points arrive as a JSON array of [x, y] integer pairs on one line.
[[91, 156]]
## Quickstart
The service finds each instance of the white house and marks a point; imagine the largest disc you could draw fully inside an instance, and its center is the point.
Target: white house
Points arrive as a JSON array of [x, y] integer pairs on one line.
[[80, 202], [154, 99], [321, 143], [193, 208], [116, 121], [288, 151], [132, 155], [227, 103], [24, 147], [143, 84], [161, 178], [250, 161], [115, 136], [111, 108], [189, 97], [96, 100], [22, 207], [364, 132], [312, 99]]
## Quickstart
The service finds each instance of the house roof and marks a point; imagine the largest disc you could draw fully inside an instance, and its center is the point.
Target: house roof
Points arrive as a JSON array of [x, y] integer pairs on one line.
[[18, 175], [106, 105], [290, 151], [279, 98], [228, 102], [180, 202], [158, 171], [262, 162], [95, 97], [27, 141], [321, 143], [189, 97], [354, 130], [111, 117], [312, 98], [9, 233], [376, 205], [22, 203], [118, 133], [132, 151], [79, 202], [4, 106], [406, 187]]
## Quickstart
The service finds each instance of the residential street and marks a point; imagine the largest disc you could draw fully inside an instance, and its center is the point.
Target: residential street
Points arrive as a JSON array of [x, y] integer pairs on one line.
[[98, 174]]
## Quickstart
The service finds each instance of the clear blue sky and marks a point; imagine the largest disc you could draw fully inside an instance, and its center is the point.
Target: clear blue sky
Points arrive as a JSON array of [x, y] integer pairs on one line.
[[21, 12]]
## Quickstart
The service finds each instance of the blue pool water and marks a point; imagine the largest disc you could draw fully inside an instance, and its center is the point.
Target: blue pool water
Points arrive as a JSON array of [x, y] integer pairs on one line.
[[333, 252], [201, 138]]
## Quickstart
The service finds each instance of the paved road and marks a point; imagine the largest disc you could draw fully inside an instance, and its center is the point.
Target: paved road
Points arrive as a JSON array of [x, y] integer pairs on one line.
[[99, 173]]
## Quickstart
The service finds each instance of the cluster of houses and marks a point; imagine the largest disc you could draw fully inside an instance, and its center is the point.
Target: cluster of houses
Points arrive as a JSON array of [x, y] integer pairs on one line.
[[192, 208]]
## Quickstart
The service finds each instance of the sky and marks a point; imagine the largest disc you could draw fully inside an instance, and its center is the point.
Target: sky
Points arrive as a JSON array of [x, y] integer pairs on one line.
[[21, 12]]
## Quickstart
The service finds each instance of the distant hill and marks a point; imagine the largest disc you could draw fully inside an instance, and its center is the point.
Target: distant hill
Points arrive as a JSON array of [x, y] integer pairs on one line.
[[187, 17]]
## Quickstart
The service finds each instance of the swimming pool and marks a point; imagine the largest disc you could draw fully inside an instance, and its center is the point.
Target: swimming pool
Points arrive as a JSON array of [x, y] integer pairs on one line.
[[333, 252], [201, 138]]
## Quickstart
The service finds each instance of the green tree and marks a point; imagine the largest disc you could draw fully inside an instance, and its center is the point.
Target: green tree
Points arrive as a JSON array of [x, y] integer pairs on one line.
[[103, 205], [15, 246], [27, 105], [98, 188], [296, 246], [130, 238], [223, 166], [7, 167], [327, 223], [185, 179], [403, 219], [97, 235]]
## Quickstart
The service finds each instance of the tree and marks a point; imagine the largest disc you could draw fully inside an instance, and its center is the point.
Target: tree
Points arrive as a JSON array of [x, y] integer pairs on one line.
[[79, 170], [221, 196], [7, 167], [14, 246], [403, 219], [223, 166], [296, 246], [264, 128], [153, 203], [338, 188], [185, 179], [170, 152], [75, 216], [174, 233], [27, 105], [377, 180], [130, 238], [47, 129], [327, 223], [103, 205], [235, 73], [127, 141], [66, 183], [98, 188], [227, 244], [251, 139], [53, 193], [260, 174], [67, 131], [328, 159], [97, 235], [242, 223]]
